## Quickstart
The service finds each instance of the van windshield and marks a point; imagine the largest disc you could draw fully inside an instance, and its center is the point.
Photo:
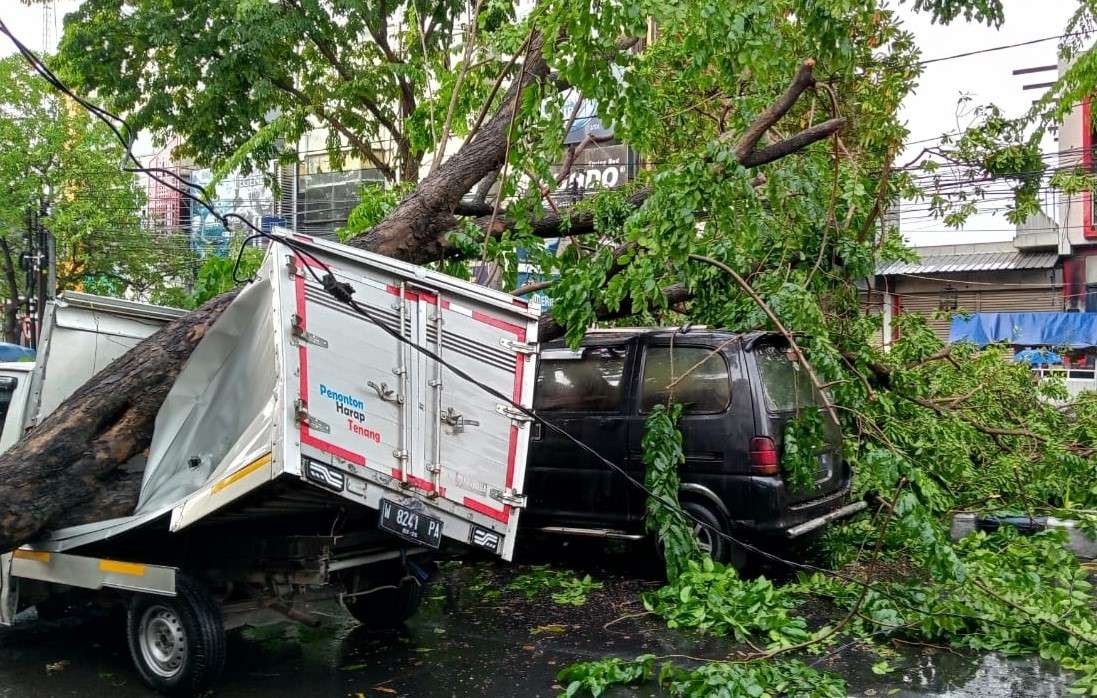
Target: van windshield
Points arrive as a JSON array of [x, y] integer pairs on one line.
[[784, 381]]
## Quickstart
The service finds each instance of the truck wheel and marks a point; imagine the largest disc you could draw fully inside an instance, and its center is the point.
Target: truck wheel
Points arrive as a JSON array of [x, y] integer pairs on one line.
[[177, 644], [388, 607], [719, 548]]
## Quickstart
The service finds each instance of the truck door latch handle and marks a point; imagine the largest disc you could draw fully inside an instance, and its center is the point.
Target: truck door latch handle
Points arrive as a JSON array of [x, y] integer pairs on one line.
[[386, 393], [457, 420]]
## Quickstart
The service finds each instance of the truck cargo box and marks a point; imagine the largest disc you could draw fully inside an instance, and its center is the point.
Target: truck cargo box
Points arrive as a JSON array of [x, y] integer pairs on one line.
[[292, 386]]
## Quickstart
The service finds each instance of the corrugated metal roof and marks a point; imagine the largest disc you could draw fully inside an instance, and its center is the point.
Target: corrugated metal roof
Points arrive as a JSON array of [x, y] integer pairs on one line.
[[992, 261]]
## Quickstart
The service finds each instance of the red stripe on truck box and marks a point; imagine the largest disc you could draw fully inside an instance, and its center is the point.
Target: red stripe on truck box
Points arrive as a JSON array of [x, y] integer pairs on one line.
[[303, 388]]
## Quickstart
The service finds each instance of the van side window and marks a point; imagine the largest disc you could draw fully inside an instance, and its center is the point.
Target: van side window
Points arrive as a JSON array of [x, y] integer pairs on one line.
[[592, 383], [7, 389], [702, 384]]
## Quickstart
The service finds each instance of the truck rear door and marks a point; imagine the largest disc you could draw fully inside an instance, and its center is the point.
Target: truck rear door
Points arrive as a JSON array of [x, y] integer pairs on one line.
[[374, 406]]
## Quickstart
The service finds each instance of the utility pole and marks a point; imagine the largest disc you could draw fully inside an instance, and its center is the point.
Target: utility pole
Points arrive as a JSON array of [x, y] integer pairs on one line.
[[28, 261], [44, 261], [38, 263]]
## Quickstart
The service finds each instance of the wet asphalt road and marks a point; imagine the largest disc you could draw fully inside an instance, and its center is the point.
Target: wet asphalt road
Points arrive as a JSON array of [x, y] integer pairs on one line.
[[471, 639]]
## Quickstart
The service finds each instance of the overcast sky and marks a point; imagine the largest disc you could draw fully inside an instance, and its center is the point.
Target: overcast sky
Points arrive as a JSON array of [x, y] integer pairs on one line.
[[929, 112]]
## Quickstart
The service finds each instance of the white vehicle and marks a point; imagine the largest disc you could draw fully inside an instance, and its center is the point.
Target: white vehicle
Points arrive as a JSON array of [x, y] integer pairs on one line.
[[81, 334], [304, 453]]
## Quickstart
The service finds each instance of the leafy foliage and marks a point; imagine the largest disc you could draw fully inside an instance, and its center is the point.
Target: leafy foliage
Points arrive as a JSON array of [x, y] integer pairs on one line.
[[1020, 595], [375, 202], [597, 676], [60, 164], [713, 598], [757, 680], [662, 453], [711, 680], [563, 587], [215, 276]]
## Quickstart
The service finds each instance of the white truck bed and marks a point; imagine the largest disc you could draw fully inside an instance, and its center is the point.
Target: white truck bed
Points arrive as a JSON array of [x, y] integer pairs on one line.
[[81, 334]]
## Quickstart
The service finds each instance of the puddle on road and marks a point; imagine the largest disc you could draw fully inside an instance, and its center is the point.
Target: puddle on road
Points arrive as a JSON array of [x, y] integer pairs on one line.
[[944, 674]]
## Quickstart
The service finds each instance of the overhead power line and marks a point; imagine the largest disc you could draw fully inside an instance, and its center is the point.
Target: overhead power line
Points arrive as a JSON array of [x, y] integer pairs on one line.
[[1000, 48]]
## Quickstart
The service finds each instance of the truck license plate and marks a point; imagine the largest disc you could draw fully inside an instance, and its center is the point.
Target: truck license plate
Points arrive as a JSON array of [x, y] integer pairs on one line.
[[410, 525]]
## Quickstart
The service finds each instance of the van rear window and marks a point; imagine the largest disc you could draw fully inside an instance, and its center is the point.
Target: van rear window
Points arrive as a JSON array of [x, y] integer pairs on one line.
[[784, 382], [592, 383]]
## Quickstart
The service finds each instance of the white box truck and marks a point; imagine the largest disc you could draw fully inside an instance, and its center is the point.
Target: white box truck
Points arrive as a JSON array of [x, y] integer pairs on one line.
[[304, 453]]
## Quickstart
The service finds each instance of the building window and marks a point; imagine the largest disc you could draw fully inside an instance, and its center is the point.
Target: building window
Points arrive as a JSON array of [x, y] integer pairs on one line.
[[948, 300]]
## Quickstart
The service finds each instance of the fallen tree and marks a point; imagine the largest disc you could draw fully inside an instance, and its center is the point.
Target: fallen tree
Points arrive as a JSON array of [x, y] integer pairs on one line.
[[68, 469], [759, 205]]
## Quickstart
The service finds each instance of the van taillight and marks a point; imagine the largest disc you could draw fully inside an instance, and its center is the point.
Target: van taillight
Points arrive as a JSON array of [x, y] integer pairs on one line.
[[763, 456]]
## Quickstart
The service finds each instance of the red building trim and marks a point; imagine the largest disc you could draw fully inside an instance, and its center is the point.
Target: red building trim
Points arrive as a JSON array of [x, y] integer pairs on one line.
[[1089, 232]]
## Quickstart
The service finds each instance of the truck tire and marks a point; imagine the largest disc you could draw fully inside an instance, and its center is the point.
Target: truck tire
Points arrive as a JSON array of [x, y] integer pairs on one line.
[[387, 607], [709, 540], [177, 644]]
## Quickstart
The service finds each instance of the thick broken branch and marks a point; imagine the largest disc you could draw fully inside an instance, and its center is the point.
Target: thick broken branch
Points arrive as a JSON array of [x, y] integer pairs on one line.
[[803, 80], [793, 144]]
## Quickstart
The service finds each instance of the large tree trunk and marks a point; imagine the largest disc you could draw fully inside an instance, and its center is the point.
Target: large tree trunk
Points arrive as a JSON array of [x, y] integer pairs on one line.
[[415, 230], [66, 470]]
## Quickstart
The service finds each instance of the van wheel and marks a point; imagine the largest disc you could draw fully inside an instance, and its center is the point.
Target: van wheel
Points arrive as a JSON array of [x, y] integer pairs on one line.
[[387, 607], [177, 644], [709, 540]]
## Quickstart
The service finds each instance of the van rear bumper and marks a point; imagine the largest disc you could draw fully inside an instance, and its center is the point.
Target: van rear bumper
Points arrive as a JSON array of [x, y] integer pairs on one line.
[[820, 521], [776, 517]]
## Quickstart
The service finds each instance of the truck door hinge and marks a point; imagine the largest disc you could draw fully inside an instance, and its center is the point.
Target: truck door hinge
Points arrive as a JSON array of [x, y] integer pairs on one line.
[[301, 416], [519, 347], [386, 393], [514, 415], [509, 496], [297, 327]]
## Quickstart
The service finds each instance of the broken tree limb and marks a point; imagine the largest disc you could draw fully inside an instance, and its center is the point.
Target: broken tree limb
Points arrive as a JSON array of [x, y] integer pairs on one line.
[[65, 471], [761, 303], [412, 230], [803, 80]]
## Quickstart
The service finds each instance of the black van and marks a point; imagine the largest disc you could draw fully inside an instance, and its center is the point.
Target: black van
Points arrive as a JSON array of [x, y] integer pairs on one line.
[[738, 391]]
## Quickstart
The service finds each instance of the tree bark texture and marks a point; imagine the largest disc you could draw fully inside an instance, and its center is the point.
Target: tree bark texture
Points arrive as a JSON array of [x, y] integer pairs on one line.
[[66, 470]]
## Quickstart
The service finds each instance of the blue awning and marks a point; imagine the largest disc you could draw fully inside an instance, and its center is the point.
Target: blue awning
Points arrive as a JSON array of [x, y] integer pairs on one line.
[[14, 352], [1026, 329]]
